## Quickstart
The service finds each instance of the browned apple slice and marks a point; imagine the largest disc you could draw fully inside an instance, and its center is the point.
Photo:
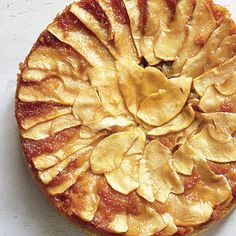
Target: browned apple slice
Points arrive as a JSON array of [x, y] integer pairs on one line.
[[147, 18], [147, 222], [86, 206], [68, 177], [179, 123], [30, 114], [68, 145], [110, 22], [158, 173], [50, 127], [201, 26], [215, 75], [172, 38], [206, 59], [68, 29]]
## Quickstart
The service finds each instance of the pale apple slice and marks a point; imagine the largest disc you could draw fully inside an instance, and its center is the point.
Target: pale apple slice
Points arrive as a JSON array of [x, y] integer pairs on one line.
[[164, 105], [46, 160], [201, 26], [109, 25], [48, 90], [171, 228], [188, 213], [81, 39], [124, 179], [215, 75], [179, 123], [137, 83], [206, 59], [228, 87], [39, 112], [85, 207], [218, 148], [119, 223], [213, 101], [50, 127], [226, 50], [109, 152], [147, 222], [70, 174], [172, 38], [162, 175]]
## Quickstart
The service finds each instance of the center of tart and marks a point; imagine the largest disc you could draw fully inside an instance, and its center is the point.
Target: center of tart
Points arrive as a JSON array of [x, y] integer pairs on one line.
[[134, 104]]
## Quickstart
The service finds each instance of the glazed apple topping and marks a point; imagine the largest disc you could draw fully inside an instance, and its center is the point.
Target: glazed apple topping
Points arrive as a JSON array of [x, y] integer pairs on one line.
[[126, 111]]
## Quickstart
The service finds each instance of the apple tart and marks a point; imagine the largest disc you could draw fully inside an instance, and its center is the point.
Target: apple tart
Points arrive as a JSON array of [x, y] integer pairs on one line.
[[127, 115]]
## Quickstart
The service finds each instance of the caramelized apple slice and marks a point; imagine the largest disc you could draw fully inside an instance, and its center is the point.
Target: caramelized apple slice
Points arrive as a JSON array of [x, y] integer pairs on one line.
[[172, 38], [215, 75], [201, 26], [110, 23], [68, 29], [179, 123], [50, 127], [206, 59], [147, 18], [67, 147], [161, 175], [66, 178], [83, 207], [147, 222], [30, 114]]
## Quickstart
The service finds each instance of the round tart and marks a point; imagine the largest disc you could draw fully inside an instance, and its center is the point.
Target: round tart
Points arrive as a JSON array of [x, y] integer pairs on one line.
[[126, 111]]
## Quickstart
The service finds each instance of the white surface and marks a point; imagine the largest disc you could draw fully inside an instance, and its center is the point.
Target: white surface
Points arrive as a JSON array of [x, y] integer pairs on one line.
[[23, 210]]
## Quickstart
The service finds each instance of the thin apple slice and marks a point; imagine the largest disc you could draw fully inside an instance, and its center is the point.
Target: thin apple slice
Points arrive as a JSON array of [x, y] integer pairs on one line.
[[50, 127], [172, 38], [68, 29], [153, 110], [206, 59], [215, 75], [201, 26], [108, 154], [110, 23], [179, 123], [163, 177]]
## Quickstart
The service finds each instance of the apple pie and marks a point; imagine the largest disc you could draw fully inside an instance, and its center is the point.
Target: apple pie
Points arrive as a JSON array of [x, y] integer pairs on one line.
[[127, 115]]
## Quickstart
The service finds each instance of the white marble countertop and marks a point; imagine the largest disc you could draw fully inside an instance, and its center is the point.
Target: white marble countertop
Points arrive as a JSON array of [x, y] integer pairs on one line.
[[23, 210]]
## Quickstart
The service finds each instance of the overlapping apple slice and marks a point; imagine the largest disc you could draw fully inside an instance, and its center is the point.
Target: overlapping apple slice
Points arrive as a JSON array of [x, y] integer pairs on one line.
[[157, 178], [109, 21], [86, 206], [179, 123], [109, 153], [50, 127], [147, 93], [201, 26], [214, 76], [147, 19], [206, 58], [68, 29], [172, 38], [31, 114], [147, 222], [67, 147], [68, 176]]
